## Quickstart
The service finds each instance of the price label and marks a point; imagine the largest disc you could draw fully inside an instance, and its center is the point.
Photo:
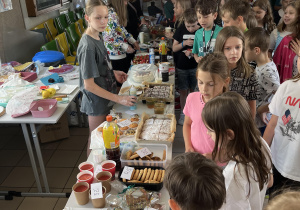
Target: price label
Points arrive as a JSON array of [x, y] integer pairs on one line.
[[98, 169], [130, 112], [143, 152], [124, 123], [96, 190], [127, 172]]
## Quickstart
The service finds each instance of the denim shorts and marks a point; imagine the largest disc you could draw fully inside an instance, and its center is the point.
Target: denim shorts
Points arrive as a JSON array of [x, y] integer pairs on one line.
[[186, 78]]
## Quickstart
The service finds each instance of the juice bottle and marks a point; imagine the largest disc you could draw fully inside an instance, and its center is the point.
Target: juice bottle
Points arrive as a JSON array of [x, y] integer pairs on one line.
[[111, 138], [132, 92], [163, 50]]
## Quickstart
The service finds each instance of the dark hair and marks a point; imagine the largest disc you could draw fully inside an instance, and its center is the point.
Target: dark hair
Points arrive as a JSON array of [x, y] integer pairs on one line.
[[258, 37], [268, 18], [251, 20], [236, 8], [206, 7], [231, 111], [190, 16], [215, 64], [89, 8], [195, 182], [226, 33]]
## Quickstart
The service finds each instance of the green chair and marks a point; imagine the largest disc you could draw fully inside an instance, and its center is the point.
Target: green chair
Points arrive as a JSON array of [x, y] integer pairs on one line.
[[79, 13], [52, 45], [70, 17], [80, 26], [61, 23], [49, 25], [84, 23], [73, 37]]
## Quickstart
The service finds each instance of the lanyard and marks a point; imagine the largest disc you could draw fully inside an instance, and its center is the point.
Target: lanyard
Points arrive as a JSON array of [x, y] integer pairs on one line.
[[205, 49]]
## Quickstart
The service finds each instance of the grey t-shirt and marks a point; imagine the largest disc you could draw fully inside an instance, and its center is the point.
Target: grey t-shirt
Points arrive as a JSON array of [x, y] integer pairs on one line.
[[94, 63]]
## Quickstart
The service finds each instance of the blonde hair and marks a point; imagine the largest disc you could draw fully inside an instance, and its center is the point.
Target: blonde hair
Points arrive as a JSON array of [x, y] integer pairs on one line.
[[121, 11], [89, 8], [226, 33], [289, 200], [185, 4]]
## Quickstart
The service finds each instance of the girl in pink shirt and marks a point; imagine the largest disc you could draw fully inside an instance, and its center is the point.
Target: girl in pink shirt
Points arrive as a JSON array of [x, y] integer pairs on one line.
[[213, 79]]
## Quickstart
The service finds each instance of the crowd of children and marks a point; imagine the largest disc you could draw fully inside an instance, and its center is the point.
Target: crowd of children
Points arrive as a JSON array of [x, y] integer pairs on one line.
[[246, 101], [247, 73]]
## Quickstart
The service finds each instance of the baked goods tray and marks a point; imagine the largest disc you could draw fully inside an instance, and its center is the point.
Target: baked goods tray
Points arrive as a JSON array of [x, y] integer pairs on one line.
[[157, 132], [168, 98], [147, 186]]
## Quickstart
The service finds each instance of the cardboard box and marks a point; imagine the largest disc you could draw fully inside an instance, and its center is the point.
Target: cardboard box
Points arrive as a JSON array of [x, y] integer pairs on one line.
[[55, 132]]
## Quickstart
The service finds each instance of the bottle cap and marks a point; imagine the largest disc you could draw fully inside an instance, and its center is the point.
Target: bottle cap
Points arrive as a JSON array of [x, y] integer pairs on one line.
[[109, 118], [162, 38]]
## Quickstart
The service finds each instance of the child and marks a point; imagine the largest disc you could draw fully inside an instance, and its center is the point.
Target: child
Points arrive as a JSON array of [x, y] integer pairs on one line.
[[235, 13], [288, 200], [115, 36], [194, 182], [256, 49], [213, 78], [285, 54], [179, 8], [97, 79], [264, 15], [186, 64], [284, 4], [251, 20], [283, 133], [285, 28], [231, 42], [248, 171], [205, 38], [169, 12]]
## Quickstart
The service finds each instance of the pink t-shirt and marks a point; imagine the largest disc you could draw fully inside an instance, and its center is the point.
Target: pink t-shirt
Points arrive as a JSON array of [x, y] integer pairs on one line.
[[201, 142]]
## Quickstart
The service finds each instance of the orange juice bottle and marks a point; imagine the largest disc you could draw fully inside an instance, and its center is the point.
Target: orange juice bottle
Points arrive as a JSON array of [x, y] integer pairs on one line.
[[111, 138]]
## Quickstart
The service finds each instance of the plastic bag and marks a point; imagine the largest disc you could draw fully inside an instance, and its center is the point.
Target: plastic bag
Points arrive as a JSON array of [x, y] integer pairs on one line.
[[20, 103]]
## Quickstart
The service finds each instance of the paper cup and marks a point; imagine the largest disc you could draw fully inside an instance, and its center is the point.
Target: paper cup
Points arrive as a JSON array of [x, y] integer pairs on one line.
[[109, 165], [99, 202], [86, 166], [85, 176], [104, 177], [141, 37], [81, 191]]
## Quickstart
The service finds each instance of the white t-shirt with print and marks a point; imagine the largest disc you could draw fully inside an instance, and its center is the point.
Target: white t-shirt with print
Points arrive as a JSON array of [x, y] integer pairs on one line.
[[237, 187], [285, 147], [268, 82]]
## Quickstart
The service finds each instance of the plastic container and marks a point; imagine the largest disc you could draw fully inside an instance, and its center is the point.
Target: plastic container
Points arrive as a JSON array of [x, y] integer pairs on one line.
[[28, 76], [151, 187], [132, 92], [48, 105], [157, 149]]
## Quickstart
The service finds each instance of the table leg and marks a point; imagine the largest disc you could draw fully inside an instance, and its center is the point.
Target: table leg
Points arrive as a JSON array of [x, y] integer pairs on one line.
[[39, 155], [31, 156], [78, 111]]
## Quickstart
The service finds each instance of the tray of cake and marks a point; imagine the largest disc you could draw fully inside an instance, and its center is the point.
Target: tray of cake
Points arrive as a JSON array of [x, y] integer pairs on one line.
[[156, 128], [159, 91]]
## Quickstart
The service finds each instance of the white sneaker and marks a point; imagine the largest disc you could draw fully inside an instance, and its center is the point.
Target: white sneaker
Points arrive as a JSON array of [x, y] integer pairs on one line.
[[181, 119]]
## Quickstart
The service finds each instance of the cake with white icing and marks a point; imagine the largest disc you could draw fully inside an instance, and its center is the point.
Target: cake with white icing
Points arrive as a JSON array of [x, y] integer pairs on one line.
[[142, 73]]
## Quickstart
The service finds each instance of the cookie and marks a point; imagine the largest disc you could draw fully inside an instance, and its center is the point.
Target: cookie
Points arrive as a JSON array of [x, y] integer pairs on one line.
[[133, 125], [136, 173], [124, 128], [144, 175], [133, 156], [155, 174], [148, 174], [140, 174], [152, 174], [133, 119], [162, 176], [128, 154]]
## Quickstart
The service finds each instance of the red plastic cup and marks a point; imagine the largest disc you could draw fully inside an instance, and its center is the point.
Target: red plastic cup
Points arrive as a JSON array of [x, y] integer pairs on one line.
[[86, 166], [109, 165], [85, 176]]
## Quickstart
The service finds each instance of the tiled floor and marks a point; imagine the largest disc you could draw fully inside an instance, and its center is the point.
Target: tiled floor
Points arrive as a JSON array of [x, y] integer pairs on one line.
[[61, 159]]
